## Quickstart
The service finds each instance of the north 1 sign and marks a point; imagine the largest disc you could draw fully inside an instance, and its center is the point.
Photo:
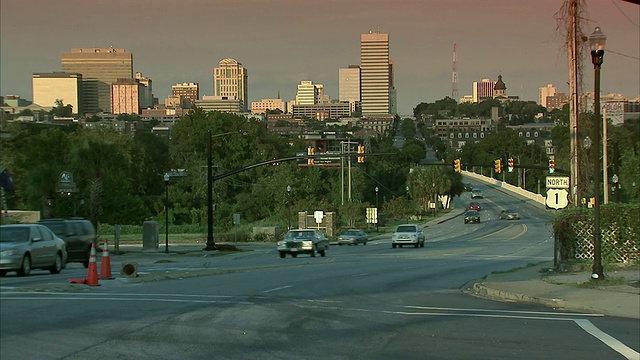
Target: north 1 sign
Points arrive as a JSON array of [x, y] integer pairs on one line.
[[557, 182]]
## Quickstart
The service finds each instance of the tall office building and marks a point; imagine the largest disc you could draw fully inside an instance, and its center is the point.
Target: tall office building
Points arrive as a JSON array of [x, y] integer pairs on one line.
[[100, 67], [375, 74], [190, 91], [307, 93], [50, 87], [230, 81], [349, 83], [483, 90], [543, 92], [126, 96], [146, 91]]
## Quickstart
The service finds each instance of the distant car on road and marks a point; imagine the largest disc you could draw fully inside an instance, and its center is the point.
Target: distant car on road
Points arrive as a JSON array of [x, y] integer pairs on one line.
[[476, 194], [474, 205], [407, 234], [353, 237], [30, 246], [472, 216], [303, 241], [509, 214]]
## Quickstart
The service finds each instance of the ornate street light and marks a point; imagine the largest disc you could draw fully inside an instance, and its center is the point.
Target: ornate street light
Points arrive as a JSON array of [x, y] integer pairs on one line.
[[377, 212], [596, 41], [166, 212], [289, 205]]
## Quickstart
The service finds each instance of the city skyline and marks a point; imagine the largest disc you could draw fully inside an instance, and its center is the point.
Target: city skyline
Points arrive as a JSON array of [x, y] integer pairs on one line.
[[280, 44]]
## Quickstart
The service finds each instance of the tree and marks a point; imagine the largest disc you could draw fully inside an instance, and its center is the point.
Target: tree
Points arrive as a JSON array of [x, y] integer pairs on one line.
[[61, 110]]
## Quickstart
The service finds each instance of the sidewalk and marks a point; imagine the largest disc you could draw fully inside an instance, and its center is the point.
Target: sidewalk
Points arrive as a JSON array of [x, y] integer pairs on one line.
[[542, 286]]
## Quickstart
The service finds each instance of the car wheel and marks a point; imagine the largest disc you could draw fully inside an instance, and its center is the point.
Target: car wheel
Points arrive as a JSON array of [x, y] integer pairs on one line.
[[422, 244], [25, 269], [294, 255], [283, 254], [323, 253], [57, 265], [393, 246], [3, 273], [364, 243], [340, 244]]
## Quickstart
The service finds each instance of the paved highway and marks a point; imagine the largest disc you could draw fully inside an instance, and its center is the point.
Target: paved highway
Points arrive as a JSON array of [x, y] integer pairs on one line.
[[359, 302]]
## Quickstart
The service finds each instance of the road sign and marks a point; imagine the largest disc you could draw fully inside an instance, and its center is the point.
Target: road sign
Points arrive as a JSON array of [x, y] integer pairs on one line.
[[557, 198], [557, 182], [318, 215], [65, 183], [372, 215]]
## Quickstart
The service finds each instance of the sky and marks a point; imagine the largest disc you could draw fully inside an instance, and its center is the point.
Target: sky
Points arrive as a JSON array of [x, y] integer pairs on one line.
[[283, 42]]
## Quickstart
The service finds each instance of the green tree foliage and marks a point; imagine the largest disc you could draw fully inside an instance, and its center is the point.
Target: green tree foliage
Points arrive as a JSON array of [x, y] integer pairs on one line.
[[61, 110]]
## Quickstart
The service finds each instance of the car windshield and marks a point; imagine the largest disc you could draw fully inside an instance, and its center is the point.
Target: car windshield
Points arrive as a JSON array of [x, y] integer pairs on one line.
[[14, 234], [472, 212], [406, 229], [351, 232], [299, 234]]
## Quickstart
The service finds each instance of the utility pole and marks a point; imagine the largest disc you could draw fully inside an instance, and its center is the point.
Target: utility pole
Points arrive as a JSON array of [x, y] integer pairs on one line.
[[574, 104]]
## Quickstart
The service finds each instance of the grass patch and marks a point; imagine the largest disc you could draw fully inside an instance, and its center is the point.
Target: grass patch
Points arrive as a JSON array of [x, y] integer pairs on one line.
[[594, 284]]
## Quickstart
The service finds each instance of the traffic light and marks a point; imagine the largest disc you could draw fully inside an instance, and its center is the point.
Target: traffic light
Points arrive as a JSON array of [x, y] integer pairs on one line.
[[361, 151], [310, 152], [552, 166], [510, 164], [457, 165], [498, 166]]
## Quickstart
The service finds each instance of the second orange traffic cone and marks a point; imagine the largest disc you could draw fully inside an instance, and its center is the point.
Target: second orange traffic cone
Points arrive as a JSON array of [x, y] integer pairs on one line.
[[105, 265]]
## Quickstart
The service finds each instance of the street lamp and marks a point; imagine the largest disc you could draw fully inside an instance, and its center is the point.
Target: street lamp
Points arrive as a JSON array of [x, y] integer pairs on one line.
[[616, 187], [435, 199], [377, 213], [597, 40], [289, 205], [166, 212]]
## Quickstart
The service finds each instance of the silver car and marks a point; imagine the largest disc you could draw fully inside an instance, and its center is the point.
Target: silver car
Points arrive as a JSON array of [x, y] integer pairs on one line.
[[30, 246], [353, 237], [303, 241], [407, 234]]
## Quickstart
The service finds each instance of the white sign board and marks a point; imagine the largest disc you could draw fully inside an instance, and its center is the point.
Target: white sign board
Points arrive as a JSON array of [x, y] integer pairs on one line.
[[557, 198], [318, 215], [557, 182]]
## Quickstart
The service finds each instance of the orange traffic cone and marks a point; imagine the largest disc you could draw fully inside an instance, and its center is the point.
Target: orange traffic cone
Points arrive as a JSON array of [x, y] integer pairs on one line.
[[105, 265], [92, 271]]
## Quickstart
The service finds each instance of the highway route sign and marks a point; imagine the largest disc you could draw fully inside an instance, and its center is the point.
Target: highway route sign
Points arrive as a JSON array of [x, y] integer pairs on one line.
[[557, 198], [557, 182]]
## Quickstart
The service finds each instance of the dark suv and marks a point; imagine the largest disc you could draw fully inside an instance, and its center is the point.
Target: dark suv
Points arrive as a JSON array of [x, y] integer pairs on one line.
[[77, 233]]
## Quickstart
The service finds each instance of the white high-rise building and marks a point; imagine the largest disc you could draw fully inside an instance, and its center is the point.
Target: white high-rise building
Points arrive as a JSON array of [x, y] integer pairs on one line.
[[50, 87], [349, 86], [483, 90], [375, 73], [230, 81], [307, 93], [543, 92]]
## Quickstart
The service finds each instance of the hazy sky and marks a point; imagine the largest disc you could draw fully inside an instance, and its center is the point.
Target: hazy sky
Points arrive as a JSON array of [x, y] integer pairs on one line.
[[282, 42]]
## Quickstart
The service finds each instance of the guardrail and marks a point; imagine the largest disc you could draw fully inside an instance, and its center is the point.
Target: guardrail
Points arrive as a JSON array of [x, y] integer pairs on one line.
[[506, 186]]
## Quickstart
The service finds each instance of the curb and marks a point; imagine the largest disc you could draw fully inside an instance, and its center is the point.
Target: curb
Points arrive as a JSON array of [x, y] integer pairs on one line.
[[483, 290]]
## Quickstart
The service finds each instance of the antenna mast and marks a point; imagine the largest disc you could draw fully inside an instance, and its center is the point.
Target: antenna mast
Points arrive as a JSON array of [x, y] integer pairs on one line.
[[454, 76]]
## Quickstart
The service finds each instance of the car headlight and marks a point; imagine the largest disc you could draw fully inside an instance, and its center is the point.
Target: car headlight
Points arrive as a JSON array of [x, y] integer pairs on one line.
[[279, 243], [307, 243], [8, 253]]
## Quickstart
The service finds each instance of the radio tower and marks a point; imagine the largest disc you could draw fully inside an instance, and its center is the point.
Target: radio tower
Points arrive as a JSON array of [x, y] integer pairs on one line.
[[454, 74]]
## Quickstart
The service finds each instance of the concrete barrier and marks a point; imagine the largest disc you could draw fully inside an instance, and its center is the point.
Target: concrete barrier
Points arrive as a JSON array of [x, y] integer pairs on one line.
[[508, 187]]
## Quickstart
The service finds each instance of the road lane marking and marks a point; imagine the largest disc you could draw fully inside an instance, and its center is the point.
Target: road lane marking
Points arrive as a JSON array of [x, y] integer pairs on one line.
[[607, 339], [498, 311], [495, 232], [278, 288], [148, 300], [363, 274]]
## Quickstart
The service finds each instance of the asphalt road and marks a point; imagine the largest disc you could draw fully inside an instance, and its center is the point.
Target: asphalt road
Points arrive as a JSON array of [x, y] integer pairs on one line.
[[359, 302]]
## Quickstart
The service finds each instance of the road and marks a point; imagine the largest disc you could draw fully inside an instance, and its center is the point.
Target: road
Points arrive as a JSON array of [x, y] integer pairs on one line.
[[359, 302]]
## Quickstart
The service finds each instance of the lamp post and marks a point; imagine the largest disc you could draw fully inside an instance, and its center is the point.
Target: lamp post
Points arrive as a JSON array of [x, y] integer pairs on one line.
[[597, 40], [289, 206], [166, 212], [615, 188], [377, 214], [435, 198]]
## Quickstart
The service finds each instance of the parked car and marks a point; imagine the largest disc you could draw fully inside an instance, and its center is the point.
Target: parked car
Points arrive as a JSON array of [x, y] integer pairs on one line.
[[472, 216], [476, 194], [30, 246], [353, 237], [303, 241], [407, 234], [509, 214], [474, 205], [78, 233]]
